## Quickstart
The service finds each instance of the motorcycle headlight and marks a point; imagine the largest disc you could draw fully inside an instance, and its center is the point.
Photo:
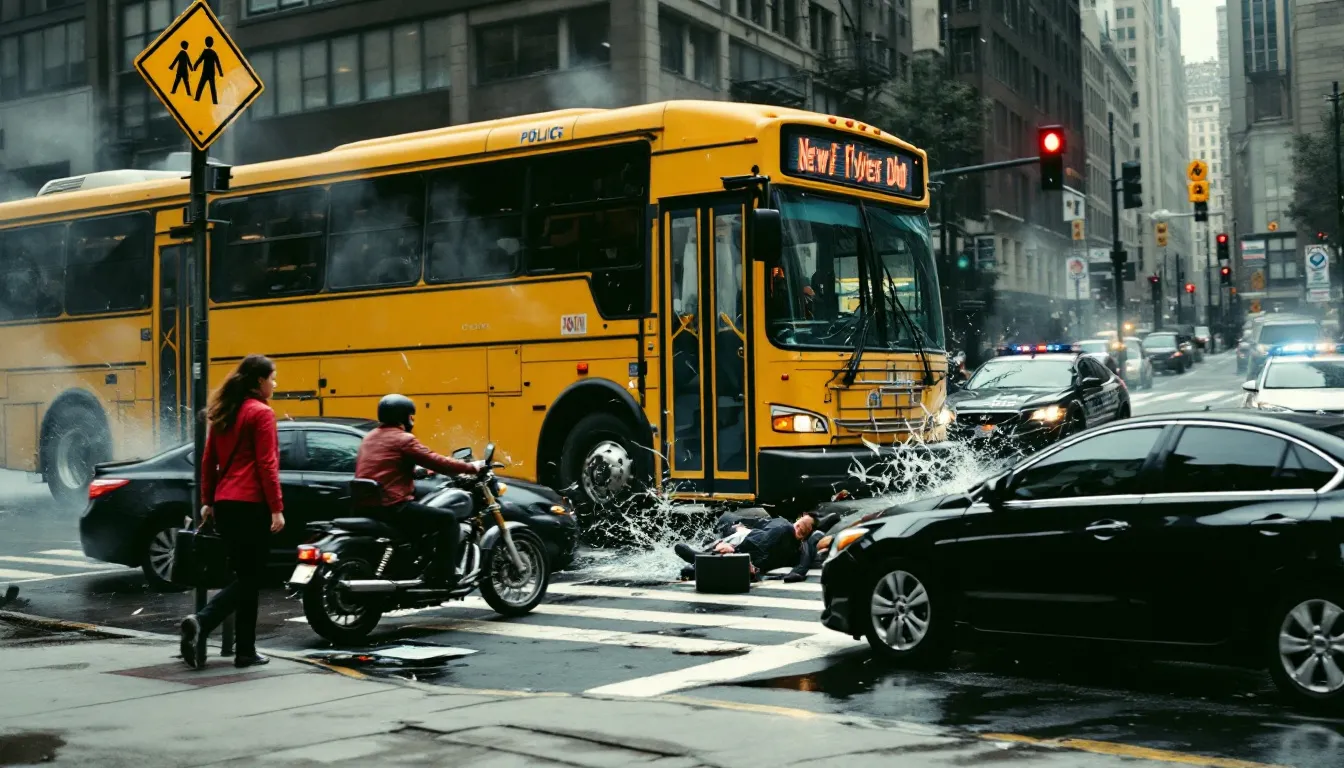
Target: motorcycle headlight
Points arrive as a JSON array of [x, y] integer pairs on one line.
[[796, 420], [1049, 414]]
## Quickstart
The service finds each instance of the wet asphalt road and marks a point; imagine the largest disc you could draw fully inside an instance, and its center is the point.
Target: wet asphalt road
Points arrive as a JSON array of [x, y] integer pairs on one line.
[[600, 631]]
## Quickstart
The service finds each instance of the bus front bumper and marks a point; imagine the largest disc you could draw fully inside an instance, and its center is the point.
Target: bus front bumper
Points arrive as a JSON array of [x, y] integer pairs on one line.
[[818, 474]]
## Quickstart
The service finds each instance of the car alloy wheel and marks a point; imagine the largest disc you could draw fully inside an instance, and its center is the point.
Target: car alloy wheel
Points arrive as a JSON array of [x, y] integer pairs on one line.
[[900, 610], [1311, 646]]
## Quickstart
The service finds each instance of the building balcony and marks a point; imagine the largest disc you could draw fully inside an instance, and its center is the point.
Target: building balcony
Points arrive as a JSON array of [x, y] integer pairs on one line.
[[786, 91], [857, 63]]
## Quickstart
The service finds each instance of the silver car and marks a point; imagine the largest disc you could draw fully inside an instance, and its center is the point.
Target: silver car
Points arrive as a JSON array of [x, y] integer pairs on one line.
[[1304, 378]]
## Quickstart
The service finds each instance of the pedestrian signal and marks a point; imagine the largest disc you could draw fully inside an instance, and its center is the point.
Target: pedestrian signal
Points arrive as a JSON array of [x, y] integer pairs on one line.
[[1225, 275]]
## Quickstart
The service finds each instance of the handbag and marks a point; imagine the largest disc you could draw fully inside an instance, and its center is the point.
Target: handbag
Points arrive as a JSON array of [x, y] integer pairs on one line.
[[200, 556]]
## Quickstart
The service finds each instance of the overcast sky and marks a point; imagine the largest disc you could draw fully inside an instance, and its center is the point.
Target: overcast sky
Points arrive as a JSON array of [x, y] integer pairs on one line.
[[1199, 29]]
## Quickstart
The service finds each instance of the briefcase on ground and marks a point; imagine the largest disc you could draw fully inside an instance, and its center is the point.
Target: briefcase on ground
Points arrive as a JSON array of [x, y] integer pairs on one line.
[[723, 574], [200, 559]]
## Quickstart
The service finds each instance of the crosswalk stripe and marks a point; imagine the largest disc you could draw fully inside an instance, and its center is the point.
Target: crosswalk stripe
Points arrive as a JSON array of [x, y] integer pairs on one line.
[[8, 573], [678, 596], [1206, 397], [597, 636], [1168, 396], [62, 552], [91, 564], [768, 586], [724, 621]]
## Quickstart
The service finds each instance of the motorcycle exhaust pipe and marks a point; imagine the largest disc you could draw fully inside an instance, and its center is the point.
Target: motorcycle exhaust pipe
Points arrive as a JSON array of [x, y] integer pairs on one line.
[[382, 586]]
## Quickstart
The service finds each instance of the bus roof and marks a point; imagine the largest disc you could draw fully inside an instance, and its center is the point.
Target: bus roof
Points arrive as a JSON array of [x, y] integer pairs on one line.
[[673, 124]]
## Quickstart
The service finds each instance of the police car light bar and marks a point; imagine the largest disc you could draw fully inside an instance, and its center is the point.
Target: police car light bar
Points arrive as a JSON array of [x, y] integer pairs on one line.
[[1288, 350], [1038, 349]]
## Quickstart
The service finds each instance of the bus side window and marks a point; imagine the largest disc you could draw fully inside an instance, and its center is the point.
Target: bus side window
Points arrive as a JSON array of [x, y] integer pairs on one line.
[[274, 245], [110, 264], [376, 230], [32, 270], [476, 222]]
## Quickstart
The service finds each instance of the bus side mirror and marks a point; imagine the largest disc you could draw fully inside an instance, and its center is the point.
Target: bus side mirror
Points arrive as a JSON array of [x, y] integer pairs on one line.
[[767, 235]]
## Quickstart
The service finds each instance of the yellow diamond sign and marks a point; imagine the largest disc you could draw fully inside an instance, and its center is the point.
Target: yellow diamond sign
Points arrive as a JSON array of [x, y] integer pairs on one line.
[[199, 74]]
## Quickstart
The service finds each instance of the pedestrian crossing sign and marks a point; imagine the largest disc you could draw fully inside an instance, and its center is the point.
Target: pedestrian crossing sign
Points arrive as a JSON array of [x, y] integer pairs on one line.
[[199, 74]]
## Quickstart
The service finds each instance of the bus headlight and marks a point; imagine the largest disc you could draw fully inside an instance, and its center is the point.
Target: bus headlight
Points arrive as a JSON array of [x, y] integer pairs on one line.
[[944, 417], [796, 420]]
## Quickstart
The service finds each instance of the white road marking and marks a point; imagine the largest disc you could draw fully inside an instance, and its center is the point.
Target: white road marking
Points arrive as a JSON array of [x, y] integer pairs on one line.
[[54, 577], [1204, 398], [760, 659], [6, 573], [677, 596], [1141, 397], [725, 621], [63, 553], [597, 636], [54, 561], [1168, 396], [773, 585]]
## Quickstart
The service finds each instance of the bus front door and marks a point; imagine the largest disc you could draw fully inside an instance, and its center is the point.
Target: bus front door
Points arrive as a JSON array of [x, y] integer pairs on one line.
[[707, 409], [173, 340]]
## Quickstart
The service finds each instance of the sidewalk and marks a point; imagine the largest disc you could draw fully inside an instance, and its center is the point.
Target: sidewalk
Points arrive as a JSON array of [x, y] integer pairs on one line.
[[94, 697]]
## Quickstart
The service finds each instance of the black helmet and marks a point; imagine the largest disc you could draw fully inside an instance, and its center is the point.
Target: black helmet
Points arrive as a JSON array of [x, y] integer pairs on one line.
[[396, 411]]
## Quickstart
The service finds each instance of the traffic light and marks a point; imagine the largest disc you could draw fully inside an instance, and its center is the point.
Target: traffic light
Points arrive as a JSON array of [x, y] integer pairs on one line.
[[1154, 279], [1222, 246], [1050, 143], [1225, 275], [964, 261], [1131, 177], [1189, 287], [1155, 284], [1161, 230], [1321, 237], [1201, 211]]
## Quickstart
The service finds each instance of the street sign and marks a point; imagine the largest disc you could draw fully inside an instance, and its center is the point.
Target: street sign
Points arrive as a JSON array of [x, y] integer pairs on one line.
[[1273, 226], [1199, 191], [1077, 273], [1318, 273], [1198, 170], [1075, 205], [1099, 255], [1255, 306], [1078, 230], [199, 74]]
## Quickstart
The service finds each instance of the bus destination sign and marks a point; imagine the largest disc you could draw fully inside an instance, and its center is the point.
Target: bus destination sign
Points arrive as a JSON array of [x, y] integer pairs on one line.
[[837, 158]]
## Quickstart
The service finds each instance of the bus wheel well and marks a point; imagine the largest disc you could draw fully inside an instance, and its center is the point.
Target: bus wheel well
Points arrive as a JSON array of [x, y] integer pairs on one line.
[[579, 400], [75, 436]]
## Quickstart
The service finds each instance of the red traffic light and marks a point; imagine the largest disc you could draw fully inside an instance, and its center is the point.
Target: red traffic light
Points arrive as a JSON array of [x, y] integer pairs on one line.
[[1153, 279], [1225, 271], [1320, 236], [1222, 238], [1189, 287], [1052, 141]]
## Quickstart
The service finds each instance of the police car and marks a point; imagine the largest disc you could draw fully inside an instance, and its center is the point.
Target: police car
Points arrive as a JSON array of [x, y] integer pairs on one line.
[[1031, 395], [1306, 378]]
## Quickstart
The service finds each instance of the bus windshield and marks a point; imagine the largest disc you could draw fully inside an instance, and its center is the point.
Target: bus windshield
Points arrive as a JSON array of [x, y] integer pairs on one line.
[[829, 278]]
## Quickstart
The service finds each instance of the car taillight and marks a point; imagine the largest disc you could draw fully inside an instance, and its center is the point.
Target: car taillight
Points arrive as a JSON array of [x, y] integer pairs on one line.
[[104, 486], [309, 554]]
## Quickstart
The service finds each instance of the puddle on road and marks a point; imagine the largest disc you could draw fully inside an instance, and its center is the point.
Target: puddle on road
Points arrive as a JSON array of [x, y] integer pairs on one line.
[[30, 748]]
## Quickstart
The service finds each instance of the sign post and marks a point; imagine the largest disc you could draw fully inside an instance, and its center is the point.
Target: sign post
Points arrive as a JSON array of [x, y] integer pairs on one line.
[[1318, 274], [199, 74]]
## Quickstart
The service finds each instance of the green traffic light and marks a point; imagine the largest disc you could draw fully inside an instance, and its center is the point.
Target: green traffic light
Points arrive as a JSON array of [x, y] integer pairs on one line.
[[963, 262]]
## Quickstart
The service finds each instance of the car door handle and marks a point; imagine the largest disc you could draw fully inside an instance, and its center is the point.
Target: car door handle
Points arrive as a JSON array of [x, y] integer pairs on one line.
[[1274, 521], [324, 489], [1108, 526]]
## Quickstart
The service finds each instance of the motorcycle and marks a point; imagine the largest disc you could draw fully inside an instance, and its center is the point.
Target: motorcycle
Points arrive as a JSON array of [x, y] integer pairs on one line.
[[356, 569]]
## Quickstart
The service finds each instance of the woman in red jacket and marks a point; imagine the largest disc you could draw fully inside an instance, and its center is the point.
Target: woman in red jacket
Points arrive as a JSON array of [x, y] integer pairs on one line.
[[240, 492]]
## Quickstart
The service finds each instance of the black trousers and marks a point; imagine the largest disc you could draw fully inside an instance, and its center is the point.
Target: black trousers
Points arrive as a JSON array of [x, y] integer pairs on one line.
[[429, 521], [246, 530]]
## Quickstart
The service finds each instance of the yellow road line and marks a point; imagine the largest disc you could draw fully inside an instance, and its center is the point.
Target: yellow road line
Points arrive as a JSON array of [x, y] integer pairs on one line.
[[1127, 750]]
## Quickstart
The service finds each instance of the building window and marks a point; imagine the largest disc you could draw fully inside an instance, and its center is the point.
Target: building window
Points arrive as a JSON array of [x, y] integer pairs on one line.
[[517, 49], [822, 28], [261, 7], [589, 43], [375, 64], [141, 23], [688, 49], [42, 61]]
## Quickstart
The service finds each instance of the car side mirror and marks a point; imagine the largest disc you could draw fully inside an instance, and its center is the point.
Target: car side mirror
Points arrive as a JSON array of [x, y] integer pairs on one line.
[[1090, 381], [994, 490], [489, 453], [462, 454], [767, 235], [1250, 386]]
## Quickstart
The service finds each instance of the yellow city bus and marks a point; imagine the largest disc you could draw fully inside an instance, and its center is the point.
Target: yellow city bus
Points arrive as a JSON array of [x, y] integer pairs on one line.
[[729, 301]]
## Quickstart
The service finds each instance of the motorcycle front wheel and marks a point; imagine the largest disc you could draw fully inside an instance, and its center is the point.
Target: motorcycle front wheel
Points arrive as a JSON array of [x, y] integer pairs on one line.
[[336, 614], [511, 592]]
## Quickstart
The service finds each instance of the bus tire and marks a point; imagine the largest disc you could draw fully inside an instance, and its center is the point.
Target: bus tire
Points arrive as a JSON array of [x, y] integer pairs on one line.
[[599, 462], [74, 439]]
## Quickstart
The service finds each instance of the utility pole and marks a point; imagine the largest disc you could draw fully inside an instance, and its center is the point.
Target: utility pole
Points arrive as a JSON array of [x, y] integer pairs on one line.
[[1333, 98], [1117, 249]]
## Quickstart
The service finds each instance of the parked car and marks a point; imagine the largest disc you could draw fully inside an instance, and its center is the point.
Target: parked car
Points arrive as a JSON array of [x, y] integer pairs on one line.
[[136, 507], [1215, 536]]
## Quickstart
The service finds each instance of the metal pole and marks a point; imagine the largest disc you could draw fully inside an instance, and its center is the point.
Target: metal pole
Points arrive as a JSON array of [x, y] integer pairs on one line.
[[200, 345], [1339, 189], [1117, 250]]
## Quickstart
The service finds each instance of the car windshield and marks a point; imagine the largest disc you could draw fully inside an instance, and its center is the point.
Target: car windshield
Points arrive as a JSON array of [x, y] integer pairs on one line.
[[1201, 330], [1160, 342], [1288, 333], [1019, 373], [828, 278], [1305, 374], [1094, 346]]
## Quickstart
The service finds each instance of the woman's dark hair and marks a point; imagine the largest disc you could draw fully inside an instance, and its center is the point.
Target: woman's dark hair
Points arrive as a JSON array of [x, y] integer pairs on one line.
[[240, 385]]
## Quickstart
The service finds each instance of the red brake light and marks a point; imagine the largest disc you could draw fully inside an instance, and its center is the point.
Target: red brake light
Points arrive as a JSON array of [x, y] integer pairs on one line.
[[309, 554], [104, 486]]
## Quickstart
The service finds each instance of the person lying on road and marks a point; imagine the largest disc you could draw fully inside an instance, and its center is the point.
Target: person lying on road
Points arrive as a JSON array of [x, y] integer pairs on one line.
[[770, 543]]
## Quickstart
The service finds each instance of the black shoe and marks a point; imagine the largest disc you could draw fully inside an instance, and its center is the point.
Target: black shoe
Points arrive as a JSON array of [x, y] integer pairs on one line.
[[685, 552], [191, 635], [250, 660], [688, 573]]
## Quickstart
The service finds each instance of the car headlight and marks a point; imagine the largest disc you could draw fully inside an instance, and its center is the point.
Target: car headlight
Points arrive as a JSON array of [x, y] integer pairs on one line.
[[944, 417], [1261, 348], [1048, 414], [556, 509], [1272, 407], [796, 420], [841, 540]]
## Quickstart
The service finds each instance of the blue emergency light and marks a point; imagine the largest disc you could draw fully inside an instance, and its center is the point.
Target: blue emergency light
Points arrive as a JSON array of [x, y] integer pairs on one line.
[[1306, 349], [1038, 349]]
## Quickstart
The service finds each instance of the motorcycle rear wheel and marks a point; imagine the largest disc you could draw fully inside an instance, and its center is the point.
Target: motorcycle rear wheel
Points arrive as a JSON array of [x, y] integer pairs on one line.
[[337, 615], [508, 592]]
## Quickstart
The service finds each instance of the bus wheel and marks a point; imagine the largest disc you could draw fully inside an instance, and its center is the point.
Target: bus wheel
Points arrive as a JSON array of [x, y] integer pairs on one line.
[[74, 441], [598, 462]]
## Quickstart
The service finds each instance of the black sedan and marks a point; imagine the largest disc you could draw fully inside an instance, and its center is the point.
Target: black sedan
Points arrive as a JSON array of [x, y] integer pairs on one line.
[[1213, 536], [1166, 353], [136, 507], [1032, 395]]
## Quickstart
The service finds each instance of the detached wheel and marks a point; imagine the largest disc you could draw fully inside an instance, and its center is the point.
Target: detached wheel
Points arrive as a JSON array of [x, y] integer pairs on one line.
[[158, 559], [1305, 648], [73, 441], [336, 614], [908, 621], [599, 462], [508, 590]]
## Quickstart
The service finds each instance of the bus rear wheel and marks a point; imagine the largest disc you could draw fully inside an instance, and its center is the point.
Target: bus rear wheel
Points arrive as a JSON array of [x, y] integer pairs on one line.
[[599, 465], [74, 441]]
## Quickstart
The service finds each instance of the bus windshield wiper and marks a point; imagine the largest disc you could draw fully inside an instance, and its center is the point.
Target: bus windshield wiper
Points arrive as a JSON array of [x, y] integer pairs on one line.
[[860, 341], [890, 290]]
